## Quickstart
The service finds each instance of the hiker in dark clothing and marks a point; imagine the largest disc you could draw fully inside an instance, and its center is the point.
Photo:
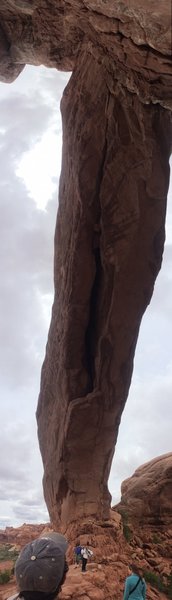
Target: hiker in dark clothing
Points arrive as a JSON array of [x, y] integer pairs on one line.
[[85, 554], [77, 552]]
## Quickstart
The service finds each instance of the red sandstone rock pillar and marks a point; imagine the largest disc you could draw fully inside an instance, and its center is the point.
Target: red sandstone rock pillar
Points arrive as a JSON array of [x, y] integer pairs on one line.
[[108, 249]]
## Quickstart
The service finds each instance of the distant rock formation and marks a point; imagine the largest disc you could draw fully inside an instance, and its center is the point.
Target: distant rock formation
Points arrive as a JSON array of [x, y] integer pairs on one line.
[[110, 228], [147, 495], [19, 536]]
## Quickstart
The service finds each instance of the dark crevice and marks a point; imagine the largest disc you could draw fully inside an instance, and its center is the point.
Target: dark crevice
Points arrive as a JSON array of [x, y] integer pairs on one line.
[[91, 332], [90, 336]]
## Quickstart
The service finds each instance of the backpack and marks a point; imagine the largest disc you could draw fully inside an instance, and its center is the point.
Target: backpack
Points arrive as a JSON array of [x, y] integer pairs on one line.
[[78, 550], [89, 552]]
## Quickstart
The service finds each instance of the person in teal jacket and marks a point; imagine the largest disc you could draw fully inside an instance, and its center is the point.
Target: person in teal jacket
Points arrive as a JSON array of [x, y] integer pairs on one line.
[[135, 587]]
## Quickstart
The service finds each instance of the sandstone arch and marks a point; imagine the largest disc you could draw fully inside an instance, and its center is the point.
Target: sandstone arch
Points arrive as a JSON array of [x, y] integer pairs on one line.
[[109, 239]]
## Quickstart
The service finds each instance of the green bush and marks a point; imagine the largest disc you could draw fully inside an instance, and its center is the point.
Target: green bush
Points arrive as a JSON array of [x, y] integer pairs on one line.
[[156, 539], [126, 529], [127, 532], [124, 516], [7, 554], [156, 581], [5, 576], [169, 587]]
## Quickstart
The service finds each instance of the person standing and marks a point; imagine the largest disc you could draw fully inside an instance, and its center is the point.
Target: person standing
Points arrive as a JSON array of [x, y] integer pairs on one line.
[[135, 586], [85, 554], [84, 557], [77, 553]]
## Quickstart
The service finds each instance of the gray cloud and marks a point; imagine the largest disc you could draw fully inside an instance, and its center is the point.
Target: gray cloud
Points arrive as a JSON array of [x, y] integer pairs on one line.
[[21, 474], [26, 250], [31, 515], [26, 286]]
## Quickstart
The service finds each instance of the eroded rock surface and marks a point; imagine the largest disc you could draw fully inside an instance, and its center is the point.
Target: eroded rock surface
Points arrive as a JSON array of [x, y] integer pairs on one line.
[[108, 249], [147, 495], [131, 38], [110, 227]]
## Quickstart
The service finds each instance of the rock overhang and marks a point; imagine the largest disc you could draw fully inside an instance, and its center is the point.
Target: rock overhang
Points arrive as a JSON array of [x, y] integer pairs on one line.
[[132, 40]]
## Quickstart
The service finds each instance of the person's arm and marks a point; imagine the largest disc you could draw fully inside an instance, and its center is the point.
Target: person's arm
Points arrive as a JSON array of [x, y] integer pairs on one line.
[[126, 590], [144, 590]]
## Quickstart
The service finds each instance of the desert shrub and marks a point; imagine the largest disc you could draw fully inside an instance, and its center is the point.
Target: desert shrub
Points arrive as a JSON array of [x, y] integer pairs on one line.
[[6, 553], [169, 586], [127, 532], [5, 576], [154, 580], [124, 516], [156, 539], [126, 529], [3, 553]]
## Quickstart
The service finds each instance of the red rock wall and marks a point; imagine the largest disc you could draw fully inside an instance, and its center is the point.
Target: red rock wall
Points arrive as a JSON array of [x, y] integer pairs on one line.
[[147, 495], [110, 227], [108, 249]]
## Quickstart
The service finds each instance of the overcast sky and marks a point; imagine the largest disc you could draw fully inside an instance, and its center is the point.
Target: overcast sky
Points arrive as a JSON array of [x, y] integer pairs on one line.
[[30, 158]]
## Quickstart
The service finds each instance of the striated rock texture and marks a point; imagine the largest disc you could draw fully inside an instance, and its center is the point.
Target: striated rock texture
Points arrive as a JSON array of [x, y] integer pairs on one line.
[[108, 249], [131, 38], [147, 495], [110, 227]]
